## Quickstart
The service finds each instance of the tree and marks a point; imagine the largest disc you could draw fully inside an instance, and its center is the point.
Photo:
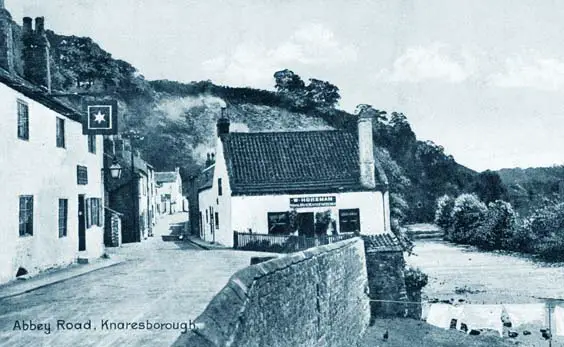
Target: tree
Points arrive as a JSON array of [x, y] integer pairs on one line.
[[322, 93], [497, 227], [490, 187], [286, 81], [443, 213], [467, 214]]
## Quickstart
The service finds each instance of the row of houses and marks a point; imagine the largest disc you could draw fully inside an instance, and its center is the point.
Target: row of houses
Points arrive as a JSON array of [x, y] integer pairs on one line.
[[60, 203]]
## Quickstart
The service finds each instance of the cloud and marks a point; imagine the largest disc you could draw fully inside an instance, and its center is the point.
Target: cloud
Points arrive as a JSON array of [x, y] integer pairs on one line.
[[434, 62], [545, 74], [253, 65]]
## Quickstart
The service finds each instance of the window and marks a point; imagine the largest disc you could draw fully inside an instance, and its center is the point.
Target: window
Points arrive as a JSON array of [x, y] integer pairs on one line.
[[81, 175], [349, 220], [94, 212], [217, 220], [219, 187], [26, 215], [60, 132], [63, 213], [207, 220], [23, 120], [278, 222], [92, 144]]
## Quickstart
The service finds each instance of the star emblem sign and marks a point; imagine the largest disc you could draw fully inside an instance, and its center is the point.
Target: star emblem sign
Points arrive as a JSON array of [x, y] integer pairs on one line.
[[99, 117]]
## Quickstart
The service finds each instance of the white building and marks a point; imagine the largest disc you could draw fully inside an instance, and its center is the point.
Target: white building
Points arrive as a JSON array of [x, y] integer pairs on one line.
[[51, 174], [287, 182], [169, 192]]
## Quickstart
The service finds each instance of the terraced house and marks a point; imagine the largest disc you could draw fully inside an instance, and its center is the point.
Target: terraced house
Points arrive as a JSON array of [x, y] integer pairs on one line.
[[52, 189], [306, 183]]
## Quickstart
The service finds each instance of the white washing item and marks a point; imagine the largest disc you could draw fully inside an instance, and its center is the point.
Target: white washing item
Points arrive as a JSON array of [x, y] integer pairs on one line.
[[521, 314], [558, 318], [482, 317], [440, 315]]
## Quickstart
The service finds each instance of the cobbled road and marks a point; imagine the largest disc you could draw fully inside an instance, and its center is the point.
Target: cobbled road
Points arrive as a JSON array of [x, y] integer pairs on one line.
[[159, 282]]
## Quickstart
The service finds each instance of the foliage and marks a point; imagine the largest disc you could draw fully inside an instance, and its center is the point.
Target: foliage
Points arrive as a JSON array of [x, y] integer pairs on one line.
[[467, 215], [443, 214], [489, 187], [322, 221], [497, 226], [415, 279]]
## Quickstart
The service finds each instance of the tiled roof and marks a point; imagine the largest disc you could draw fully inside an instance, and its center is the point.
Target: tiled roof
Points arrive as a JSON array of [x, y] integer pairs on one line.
[[382, 243], [38, 94], [165, 177], [292, 162]]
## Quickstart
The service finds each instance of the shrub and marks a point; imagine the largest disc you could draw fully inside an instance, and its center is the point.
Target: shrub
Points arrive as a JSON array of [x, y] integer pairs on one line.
[[551, 249], [496, 228], [403, 236], [443, 213], [467, 214], [415, 279]]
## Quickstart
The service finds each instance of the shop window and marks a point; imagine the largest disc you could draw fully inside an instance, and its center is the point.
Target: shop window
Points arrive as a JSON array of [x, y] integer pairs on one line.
[[349, 220], [278, 223]]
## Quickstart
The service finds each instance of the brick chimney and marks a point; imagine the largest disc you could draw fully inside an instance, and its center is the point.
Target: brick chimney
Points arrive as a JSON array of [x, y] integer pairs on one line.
[[36, 53], [366, 148], [223, 124], [6, 40]]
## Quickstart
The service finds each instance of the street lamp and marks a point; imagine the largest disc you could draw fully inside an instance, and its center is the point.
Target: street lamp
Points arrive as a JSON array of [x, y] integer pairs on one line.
[[115, 169]]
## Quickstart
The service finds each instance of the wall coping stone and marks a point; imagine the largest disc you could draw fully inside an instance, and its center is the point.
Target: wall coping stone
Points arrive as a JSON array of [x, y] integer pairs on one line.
[[218, 326]]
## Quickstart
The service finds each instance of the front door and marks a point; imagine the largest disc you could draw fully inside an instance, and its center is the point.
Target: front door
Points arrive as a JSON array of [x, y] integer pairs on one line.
[[306, 224], [81, 224]]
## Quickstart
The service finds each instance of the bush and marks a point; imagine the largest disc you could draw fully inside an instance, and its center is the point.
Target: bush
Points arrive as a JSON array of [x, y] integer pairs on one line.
[[467, 215], [497, 227], [551, 249], [403, 236], [443, 213], [415, 279]]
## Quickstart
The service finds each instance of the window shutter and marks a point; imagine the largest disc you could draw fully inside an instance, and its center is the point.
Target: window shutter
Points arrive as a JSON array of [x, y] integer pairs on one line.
[[88, 213], [100, 213]]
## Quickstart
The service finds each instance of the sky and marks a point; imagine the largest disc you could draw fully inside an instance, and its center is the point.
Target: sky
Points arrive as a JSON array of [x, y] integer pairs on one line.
[[482, 78]]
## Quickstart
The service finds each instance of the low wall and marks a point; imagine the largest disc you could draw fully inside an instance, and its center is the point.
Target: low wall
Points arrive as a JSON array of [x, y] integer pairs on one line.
[[317, 297], [386, 280]]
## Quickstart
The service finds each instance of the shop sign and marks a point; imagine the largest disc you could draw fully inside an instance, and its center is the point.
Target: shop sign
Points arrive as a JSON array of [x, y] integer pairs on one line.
[[313, 201]]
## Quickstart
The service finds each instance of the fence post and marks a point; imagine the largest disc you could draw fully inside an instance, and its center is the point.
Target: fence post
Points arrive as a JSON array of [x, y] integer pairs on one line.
[[235, 240]]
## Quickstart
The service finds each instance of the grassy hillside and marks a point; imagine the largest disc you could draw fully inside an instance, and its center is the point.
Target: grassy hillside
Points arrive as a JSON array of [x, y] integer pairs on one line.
[[178, 121]]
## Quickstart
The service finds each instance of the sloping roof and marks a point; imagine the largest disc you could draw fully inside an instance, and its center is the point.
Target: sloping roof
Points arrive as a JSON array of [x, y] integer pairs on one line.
[[293, 162], [165, 176], [39, 94], [382, 243]]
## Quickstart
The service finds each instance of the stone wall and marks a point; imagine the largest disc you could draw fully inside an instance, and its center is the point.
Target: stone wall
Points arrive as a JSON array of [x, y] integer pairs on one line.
[[386, 282], [317, 297]]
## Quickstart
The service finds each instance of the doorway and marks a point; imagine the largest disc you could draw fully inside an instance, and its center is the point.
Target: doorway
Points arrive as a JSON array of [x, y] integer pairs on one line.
[[81, 224], [306, 224]]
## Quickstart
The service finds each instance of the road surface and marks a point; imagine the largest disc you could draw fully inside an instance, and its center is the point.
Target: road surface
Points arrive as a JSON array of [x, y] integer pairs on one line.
[[160, 282]]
